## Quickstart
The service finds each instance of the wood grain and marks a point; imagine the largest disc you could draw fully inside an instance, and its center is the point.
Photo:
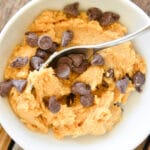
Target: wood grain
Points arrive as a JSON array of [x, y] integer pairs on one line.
[[4, 139], [7, 9]]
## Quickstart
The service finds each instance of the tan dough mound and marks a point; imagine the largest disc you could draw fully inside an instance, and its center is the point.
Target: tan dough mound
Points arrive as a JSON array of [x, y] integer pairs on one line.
[[76, 120]]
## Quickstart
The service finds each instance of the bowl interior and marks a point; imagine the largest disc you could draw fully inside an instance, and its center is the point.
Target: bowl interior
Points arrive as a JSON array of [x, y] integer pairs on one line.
[[137, 107]]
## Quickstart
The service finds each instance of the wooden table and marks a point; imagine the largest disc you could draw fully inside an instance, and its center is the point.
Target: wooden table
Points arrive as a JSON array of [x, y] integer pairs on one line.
[[7, 9]]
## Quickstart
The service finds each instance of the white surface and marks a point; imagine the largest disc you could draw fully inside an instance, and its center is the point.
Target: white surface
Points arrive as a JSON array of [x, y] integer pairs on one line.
[[135, 125]]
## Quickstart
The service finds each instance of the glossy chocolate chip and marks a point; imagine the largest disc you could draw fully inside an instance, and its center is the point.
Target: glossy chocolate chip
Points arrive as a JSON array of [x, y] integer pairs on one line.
[[108, 18], [97, 60], [54, 47], [70, 99], [5, 88], [72, 9], [42, 53], [87, 100], [45, 42], [138, 79], [53, 105], [64, 60], [19, 62], [67, 36], [63, 71], [81, 68], [32, 39], [36, 62], [80, 88], [109, 73], [77, 59], [94, 13], [19, 84], [122, 84]]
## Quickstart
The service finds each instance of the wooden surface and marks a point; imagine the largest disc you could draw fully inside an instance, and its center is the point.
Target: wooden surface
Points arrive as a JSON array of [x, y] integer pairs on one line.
[[7, 9]]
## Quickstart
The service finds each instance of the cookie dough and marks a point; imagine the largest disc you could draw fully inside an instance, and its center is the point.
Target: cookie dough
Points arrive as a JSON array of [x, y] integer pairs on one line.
[[75, 120]]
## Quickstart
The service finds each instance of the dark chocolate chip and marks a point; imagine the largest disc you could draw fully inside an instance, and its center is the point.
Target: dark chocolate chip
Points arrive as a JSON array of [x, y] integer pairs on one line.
[[80, 88], [45, 42], [42, 54], [19, 62], [53, 105], [31, 39], [63, 71], [81, 68], [105, 84], [108, 18], [19, 84], [70, 99], [67, 36], [109, 73], [36, 62], [94, 13], [64, 60], [87, 100], [122, 84], [72, 9], [138, 89], [54, 47], [138, 79], [97, 60], [5, 87], [77, 59]]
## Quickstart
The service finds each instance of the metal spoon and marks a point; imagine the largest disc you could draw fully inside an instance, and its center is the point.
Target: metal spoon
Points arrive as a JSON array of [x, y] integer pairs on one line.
[[96, 47]]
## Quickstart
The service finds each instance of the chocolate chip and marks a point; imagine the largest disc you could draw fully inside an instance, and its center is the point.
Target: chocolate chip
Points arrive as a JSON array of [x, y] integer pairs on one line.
[[64, 60], [87, 100], [138, 89], [45, 42], [109, 73], [36, 62], [54, 47], [70, 99], [72, 9], [94, 13], [67, 36], [53, 105], [77, 59], [19, 84], [138, 80], [97, 60], [5, 87], [105, 84], [42, 54], [80, 88], [63, 71], [81, 68], [122, 84], [19, 62], [108, 18], [31, 39]]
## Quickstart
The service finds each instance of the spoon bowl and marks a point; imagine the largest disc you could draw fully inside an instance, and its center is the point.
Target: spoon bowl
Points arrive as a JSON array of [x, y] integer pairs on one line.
[[86, 49]]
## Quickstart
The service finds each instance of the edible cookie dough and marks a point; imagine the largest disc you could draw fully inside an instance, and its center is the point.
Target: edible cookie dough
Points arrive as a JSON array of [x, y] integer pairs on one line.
[[81, 95]]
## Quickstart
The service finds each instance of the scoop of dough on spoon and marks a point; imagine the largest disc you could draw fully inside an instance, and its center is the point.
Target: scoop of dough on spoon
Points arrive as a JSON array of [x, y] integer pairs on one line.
[[85, 48]]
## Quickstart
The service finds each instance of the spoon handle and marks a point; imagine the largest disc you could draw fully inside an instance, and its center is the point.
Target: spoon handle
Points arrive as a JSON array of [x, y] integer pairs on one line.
[[97, 47], [122, 39]]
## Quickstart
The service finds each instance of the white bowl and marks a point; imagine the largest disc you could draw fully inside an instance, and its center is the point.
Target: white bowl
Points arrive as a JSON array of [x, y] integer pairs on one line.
[[135, 125]]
